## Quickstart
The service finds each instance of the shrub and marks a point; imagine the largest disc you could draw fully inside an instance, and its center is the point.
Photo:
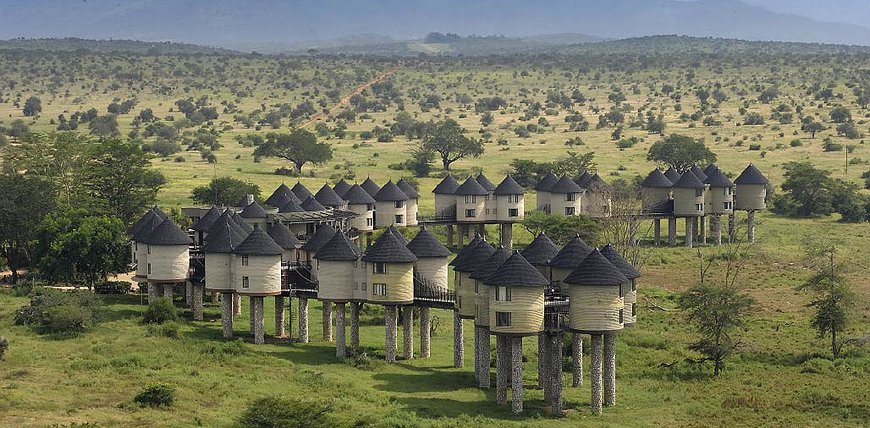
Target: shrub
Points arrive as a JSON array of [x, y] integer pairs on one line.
[[67, 319], [57, 311], [155, 396], [113, 287], [4, 345], [169, 329], [273, 412], [796, 143], [755, 147], [160, 311]]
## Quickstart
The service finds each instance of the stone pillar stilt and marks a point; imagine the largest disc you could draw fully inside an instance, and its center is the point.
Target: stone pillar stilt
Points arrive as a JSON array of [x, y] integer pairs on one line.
[[257, 319], [425, 333], [391, 327], [227, 315], [502, 364], [153, 292], [732, 226], [716, 229], [340, 342], [690, 229], [750, 226], [517, 374], [215, 297], [303, 320], [327, 321], [477, 354], [168, 291], [576, 359], [188, 293], [196, 300], [672, 231], [279, 316], [449, 236], [543, 351], [702, 230], [237, 304], [458, 341], [481, 356], [556, 374], [595, 369], [354, 327], [408, 332], [461, 234], [657, 231], [506, 235], [695, 233], [609, 369], [288, 325]]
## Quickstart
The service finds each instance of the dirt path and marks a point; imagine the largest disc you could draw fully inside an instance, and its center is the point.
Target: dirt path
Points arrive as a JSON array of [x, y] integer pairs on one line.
[[341, 103]]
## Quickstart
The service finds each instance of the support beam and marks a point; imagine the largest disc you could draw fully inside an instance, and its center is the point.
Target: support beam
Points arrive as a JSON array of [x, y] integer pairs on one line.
[[750, 226], [595, 368], [502, 357], [610, 369], [657, 231], [227, 314], [556, 374], [732, 226], [279, 316], [716, 229], [391, 327], [450, 232], [702, 230], [188, 293], [425, 333], [695, 234], [506, 235], [288, 325], [354, 327], [197, 291], [632, 231], [257, 321], [543, 351], [458, 341], [340, 342], [481, 356], [303, 320], [327, 321], [462, 233], [672, 231], [153, 291], [237, 304], [407, 332], [517, 374], [576, 359], [690, 229], [168, 291]]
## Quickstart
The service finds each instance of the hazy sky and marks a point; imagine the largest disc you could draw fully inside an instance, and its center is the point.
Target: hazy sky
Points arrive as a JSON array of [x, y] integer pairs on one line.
[[851, 11]]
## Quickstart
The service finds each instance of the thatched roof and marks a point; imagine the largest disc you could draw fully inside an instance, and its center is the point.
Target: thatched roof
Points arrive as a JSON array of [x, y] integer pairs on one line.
[[370, 186], [672, 174], [698, 172], [150, 218], [302, 193], [311, 204], [472, 260], [571, 254], [390, 193], [291, 206], [617, 260], [656, 180], [356, 195], [516, 271], [205, 222], [328, 198], [147, 227], [447, 186], [341, 188], [509, 186], [279, 196], [426, 245], [710, 168], [484, 182], [584, 180], [167, 233], [242, 223], [338, 249], [541, 250], [408, 189], [717, 179], [471, 187], [565, 185], [258, 243], [595, 269], [546, 183], [491, 264], [689, 181], [282, 236], [223, 236], [464, 250], [389, 249], [321, 236], [254, 210], [751, 175]]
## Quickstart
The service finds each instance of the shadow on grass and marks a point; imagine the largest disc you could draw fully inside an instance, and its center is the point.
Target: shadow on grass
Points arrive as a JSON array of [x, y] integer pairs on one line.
[[423, 381], [437, 408]]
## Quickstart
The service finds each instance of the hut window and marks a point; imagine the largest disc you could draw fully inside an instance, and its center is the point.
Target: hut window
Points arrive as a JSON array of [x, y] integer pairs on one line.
[[699, 207], [502, 319], [570, 197], [569, 210], [149, 268], [246, 282], [355, 286], [370, 222], [621, 316], [379, 289], [149, 248], [486, 198], [621, 291], [503, 294], [727, 205], [514, 198], [634, 309], [400, 204], [363, 286], [244, 260], [513, 212], [726, 191], [487, 211], [379, 267], [470, 213], [400, 219], [699, 193]]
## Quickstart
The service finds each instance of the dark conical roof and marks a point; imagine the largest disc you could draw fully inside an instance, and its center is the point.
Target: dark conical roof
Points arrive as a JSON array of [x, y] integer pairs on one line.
[[541, 250], [147, 227], [516, 271], [148, 218], [491, 264], [571, 254], [484, 182], [242, 202], [255, 210], [509, 186], [426, 245], [465, 250], [672, 174], [698, 173], [356, 195], [565, 185], [595, 269], [167, 233], [370, 186], [223, 236], [323, 234], [226, 217], [656, 180], [408, 189], [447, 186], [205, 222], [584, 180], [311, 204], [390, 192], [328, 198], [689, 181], [159, 212], [717, 179], [258, 243], [285, 198], [389, 249], [472, 260], [242, 223], [302, 193], [338, 249], [292, 205], [392, 229], [341, 188], [279, 196], [471, 187], [710, 168], [617, 260], [751, 175], [282, 236], [547, 183]]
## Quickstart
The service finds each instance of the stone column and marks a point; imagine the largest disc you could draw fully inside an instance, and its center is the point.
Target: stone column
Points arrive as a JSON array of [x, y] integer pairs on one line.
[[449, 236], [657, 231], [702, 230], [502, 355], [517, 374], [237, 304], [257, 319], [458, 341], [153, 292], [168, 291], [188, 293], [506, 237], [690, 229], [425, 333], [279, 316], [481, 351], [462, 231], [288, 325], [340, 342], [732, 226], [556, 374], [750, 226], [610, 369], [354, 327], [227, 315], [595, 368], [672, 231], [303, 320], [477, 354], [196, 301], [543, 351], [408, 332], [716, 229], [576, 359], [390, 343], [327, 321]]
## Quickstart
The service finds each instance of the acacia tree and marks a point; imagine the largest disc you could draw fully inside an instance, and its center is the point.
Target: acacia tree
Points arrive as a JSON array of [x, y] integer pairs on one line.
[[26, 200], [448, 141], [299, 147], [680, 152], [224, 191], [32, 107], [831, 293]]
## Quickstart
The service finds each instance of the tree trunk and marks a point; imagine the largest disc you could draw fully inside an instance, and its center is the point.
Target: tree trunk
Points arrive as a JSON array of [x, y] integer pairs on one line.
[[14, 274], [834, 348], [298, 166]]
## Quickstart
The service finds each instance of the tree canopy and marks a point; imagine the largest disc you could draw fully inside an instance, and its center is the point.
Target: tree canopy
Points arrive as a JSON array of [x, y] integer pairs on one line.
[[26, 200], [299, 147], [680, 152], [448, 141], [224, 191]]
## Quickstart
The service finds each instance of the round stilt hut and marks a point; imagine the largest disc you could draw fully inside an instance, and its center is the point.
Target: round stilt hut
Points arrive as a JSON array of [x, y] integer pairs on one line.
[[201, 226], [672, 174], [390, 204], [302, 193], [280, 196], [463, 267], [311, 205], [412, 204], [281, 234], [596, 197], [542, 191], [751, 190], [431, 266], [490, 206], [370, 187], [140, 232], [568, 258], [168, 249], [336, 266], [255, 214], [321, 236], [539, 253], [481, 319], [629, 290], [471, 202], [509, 199], [258, 274], [655, 191], [565, 197], [689, 195], [445, 194], [361, 203], [341, 188], [719, 199], [328, 198]]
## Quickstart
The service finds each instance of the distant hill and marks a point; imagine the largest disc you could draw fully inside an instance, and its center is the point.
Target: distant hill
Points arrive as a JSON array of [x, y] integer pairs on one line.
[[103, 46]]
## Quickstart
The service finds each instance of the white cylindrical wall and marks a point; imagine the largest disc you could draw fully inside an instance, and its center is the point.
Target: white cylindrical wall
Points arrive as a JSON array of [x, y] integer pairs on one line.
[[169, 263], [476, 203], [386, 212], [360, 280], [750, 197], [543, 199], [596, 205], [263, 272], [335, 280], [717, 199], [686, 202], [399, 281], [365, 218], [142, 263], [411, 207], [218, 272], [505, 203], [434, 270], [651, 196], [444, 201], [595, 309], [559, 202]]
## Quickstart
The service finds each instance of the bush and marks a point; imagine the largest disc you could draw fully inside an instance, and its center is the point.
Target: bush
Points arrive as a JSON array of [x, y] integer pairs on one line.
[[155, 396], [113, 287], [755, 147], [169, 329], [160, 311], [796, 143], [67, 319], [273, 412], [57, 311], [4, 345]]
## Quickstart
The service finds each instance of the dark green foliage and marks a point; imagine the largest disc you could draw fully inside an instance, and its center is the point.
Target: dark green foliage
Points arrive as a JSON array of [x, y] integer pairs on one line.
[[715, 312], [156, 396], [831, 294], [24, 202], [299, 147], [681, 152], [160, 311], [274, 412], [104, 126], [840, 115], [420, 162], [224, 191], [59, 312], [811, 192], [528, 172], [447, 140], [113, 287], [561, 229], [32, 107], [753, 118], [76, 247], [4, 346]]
